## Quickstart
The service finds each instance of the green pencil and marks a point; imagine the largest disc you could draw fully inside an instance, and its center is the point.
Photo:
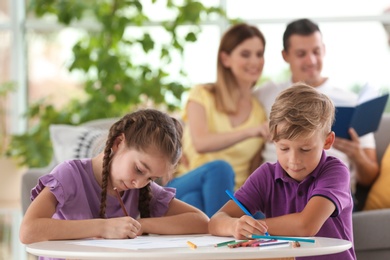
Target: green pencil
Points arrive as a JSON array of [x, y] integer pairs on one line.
[[224, 243], [236, 243]]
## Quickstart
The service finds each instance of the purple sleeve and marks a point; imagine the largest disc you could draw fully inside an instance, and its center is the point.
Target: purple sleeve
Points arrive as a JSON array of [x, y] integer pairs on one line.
[[334, 184], [59, 176], [254, 193], [161, 198]]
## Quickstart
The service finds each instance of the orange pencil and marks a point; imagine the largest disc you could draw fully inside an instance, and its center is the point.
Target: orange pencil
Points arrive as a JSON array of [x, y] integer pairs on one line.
[[121, 202], [248, 243], [192, 245]]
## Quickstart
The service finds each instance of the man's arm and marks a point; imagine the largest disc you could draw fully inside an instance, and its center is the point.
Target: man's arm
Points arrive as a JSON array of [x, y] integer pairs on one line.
[[364, 160]]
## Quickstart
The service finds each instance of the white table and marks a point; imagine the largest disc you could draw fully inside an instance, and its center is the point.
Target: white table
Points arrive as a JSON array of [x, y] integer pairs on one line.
[[69, 250]]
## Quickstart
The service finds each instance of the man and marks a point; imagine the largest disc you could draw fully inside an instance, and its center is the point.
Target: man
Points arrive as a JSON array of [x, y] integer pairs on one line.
[[304, 51]]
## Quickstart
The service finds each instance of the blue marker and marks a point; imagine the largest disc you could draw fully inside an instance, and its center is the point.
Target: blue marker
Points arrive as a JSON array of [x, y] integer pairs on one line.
[[240, 205]]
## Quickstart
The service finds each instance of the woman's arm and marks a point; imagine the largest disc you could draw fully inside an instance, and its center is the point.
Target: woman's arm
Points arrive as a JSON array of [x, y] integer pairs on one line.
[[181, 218], [205, 141], [37, 224]]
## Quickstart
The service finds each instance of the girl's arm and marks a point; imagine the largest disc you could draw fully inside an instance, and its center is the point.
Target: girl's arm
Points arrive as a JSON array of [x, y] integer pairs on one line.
[[180, 218], [37, 224], [204, 141], [305, 223]]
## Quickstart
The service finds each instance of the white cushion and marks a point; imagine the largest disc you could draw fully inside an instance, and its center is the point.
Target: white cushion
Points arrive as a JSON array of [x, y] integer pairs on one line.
[[76, 142]]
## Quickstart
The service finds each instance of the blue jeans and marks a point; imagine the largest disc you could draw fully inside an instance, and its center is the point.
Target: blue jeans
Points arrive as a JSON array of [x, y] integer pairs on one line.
[[204, 187]]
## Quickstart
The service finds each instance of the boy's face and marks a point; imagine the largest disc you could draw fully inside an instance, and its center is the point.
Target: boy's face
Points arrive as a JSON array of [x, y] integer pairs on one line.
[[301, 156]]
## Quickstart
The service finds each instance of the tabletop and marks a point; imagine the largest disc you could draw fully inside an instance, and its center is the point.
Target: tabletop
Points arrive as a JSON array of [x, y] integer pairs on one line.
[[123, 249]]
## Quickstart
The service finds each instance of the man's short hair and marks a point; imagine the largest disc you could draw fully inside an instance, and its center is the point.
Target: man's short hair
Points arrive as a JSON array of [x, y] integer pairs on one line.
[[302, 27]]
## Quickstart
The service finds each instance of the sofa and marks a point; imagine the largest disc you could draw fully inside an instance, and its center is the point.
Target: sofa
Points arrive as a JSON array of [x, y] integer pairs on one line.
[[371, 228], [62, 136]]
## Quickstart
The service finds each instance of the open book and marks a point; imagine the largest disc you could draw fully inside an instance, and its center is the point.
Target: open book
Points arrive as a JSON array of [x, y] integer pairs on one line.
[[364, 118]]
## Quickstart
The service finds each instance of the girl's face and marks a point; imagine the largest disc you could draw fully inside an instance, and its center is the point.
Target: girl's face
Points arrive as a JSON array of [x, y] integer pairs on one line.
[[246, 61], [301, 156], [133, 169]]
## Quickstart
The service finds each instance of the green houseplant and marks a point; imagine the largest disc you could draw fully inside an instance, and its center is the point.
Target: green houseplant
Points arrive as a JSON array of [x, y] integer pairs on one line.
[[5, 89], [115, 82], [10, 171]]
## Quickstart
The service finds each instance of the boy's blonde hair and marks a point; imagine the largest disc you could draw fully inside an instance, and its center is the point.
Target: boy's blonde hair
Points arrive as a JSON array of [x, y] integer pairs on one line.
[[301, 111]]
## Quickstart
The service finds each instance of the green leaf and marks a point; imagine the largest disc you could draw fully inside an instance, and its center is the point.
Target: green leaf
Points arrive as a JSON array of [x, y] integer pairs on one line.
[[147, 43], [191, 37], [117, 78]]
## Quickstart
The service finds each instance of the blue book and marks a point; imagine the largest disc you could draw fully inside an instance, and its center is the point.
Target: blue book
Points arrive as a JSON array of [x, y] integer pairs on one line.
[[364, 118]]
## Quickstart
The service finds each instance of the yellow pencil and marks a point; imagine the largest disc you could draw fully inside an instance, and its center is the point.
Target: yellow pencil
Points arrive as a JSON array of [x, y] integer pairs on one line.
[[192, 245]]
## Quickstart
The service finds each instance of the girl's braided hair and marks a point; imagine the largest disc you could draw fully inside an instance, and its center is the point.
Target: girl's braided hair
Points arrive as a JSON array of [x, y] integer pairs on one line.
[[143, 129]]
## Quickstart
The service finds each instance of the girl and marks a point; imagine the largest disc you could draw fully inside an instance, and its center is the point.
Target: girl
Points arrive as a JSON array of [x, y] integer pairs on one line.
[[78, 198]]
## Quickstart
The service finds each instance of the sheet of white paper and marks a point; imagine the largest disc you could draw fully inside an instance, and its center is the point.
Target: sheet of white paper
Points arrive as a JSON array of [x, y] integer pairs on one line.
[[153, 242]]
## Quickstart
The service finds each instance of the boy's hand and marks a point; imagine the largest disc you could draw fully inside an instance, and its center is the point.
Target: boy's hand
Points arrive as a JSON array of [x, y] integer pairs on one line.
[[246, 226], [124, 227]]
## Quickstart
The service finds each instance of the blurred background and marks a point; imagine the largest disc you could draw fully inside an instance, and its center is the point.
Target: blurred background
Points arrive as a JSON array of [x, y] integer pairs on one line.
[[62, 60]]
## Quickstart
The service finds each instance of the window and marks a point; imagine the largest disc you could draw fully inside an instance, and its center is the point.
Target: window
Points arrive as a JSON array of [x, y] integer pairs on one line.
[[356, 42]]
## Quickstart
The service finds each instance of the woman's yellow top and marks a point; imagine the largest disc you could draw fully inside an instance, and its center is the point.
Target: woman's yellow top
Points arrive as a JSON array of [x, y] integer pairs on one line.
[[238, 155]]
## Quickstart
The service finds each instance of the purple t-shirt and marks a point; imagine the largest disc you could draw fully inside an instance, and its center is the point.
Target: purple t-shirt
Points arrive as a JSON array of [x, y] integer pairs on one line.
[[78, 194], [270, 190]]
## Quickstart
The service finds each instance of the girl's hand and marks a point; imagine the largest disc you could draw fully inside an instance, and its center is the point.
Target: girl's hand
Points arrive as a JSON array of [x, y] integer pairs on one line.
[[246, 226], [124, 227]]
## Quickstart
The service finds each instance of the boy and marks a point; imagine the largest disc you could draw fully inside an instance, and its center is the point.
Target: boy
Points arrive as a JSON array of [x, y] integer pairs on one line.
[[305, 193], [304, 51]]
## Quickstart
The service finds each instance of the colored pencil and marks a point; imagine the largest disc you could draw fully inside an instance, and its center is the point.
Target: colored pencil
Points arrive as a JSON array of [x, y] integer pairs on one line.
[[248, 243], [121, 202], [224, 243], [192, 245], [236, 244], [308, 240]]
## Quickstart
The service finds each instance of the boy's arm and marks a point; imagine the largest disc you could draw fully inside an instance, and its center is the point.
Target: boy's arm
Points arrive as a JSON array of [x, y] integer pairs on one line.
[[305, 223]]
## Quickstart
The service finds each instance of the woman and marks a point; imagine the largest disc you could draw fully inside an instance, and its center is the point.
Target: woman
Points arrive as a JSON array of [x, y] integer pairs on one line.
[[223, 123]]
